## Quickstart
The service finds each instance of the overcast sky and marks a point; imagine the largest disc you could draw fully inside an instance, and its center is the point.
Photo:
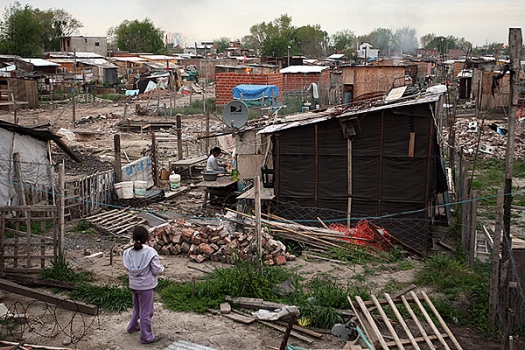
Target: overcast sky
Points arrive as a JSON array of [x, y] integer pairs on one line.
[[478, 21]]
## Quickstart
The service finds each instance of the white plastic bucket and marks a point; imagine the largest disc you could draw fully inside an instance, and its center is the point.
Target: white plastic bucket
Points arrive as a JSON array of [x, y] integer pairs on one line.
[[174, 181], [140, 188], [124, 189]]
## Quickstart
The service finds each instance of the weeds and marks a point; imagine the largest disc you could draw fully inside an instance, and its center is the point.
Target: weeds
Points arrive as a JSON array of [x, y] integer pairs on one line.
[[61, 270], [109, 297], [458, 283]]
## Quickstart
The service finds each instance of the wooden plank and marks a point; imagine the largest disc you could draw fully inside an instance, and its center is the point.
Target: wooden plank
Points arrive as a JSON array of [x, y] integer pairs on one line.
[[303, 330], [368, 323], [292, 333], [38, 282], [387, 323], [429, 321], [48, 298], [441, 321], [401, 320], [372, 323], [418, 324], [240, 318], [418, 340]]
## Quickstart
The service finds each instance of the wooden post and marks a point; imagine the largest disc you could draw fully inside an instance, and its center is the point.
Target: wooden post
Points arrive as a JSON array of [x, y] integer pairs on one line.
[[74, 106], [154, 159], [291, 321], [496, 251], [15, 118], [207, 131], [118, 163], [258, 224], [18, 177], [179, 137], [515, 48], [472, 231], [125, 110], [61, 206]]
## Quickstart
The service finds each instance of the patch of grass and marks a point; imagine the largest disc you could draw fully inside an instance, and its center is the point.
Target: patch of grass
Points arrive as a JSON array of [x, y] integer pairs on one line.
[[109, 297], [61, 270], [196, 107], [455, 280], [82, 226], [317, 298]]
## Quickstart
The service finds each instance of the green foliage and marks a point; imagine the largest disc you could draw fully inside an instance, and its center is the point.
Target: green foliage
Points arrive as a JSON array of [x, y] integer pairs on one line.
[[28, 31], [109, 297], [36, 227], [222, 44], [61, 270], [138, 36], [195, 107], [454, 280], [21, 31], [81, 226]]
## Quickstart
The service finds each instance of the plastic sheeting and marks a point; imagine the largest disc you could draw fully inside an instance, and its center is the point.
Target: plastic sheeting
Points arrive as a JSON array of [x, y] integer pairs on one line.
[[35, 165], [246, 92]]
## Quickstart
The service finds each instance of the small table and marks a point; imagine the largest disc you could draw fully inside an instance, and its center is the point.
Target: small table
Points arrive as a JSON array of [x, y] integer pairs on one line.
[[189, 163], [222, 183]]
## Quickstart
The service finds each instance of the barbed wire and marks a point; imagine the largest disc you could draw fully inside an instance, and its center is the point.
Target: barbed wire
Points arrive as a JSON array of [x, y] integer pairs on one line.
[[46, 320]]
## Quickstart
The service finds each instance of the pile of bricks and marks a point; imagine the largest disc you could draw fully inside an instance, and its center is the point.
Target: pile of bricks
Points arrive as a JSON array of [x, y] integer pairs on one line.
[[215, 243]]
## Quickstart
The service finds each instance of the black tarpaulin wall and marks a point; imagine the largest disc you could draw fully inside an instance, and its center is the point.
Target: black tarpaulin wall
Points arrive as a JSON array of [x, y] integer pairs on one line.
[[311, 169]]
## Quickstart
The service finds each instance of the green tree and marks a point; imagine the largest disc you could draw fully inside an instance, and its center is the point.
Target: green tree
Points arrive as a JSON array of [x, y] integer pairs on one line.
[[344, 40], [135, 36], [312, 41], [383, 39], [406, 40], [222, 44], [21, 31], [56, 23], [426, 40], [274, 37]]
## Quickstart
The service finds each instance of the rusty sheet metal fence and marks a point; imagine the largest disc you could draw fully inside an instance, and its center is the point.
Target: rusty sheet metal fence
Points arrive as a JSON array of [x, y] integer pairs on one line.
[[85, 195], [30, 238]]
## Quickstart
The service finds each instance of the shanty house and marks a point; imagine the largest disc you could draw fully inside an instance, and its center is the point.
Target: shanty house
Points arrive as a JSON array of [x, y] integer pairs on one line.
[[379, 162], [34, 170], [370, 81]]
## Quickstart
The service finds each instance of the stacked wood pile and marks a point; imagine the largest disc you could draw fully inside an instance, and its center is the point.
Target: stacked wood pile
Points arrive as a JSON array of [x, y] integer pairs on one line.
[[214, 243]]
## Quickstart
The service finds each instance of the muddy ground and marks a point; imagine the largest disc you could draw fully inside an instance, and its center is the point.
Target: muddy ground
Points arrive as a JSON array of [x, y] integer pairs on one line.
[[55, 327]]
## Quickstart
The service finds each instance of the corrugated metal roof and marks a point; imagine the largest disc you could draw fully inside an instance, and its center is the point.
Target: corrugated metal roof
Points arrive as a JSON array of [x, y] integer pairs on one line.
[[128, 59], [86, 54], [313, 118], [158, 57], [304, 69], [38, 62]]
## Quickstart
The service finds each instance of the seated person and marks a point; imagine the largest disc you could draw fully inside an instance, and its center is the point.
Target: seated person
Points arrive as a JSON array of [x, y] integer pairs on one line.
[[213, 163]]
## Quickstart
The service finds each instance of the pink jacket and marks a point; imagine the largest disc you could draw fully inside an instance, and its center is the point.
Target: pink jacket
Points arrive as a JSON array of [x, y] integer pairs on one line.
[[143, 266]]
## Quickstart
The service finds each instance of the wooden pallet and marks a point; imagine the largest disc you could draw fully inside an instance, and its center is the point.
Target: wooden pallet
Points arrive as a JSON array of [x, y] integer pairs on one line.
[[115, 222], [373, 324]]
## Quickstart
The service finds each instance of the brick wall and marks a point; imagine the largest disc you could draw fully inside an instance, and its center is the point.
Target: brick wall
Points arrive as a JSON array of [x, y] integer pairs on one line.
[[301, 81], [225, 82]]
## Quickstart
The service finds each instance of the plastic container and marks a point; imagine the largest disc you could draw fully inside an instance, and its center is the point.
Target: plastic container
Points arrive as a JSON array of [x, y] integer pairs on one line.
[[209, 175], [140, 188], [124, 189], [174, 181]]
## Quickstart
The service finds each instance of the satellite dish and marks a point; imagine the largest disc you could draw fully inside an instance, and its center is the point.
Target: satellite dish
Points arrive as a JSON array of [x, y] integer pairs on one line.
[[235, 114]]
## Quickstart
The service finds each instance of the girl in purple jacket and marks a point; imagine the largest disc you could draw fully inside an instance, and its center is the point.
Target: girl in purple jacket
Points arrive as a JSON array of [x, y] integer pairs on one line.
[[143, 265]]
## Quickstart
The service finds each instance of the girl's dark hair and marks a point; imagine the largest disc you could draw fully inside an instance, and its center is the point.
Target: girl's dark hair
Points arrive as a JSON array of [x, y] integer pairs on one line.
[[140, 237]]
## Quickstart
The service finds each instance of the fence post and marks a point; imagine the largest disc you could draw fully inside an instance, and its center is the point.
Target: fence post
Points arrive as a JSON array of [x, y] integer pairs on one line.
[[472, 231], [496, 250], [61, 205]]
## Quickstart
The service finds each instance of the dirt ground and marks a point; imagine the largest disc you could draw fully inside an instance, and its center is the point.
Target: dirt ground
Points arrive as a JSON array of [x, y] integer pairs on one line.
[[55, 327]]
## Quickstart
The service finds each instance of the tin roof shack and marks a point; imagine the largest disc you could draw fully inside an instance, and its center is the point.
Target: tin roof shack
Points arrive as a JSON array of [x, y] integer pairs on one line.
[[298, 79], [491, 89], [370, 81], [380, 162], [35, 165], [24, 92], [98, 70], [228, 77]]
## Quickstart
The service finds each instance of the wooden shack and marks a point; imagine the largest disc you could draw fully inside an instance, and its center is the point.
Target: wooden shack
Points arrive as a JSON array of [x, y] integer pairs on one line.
[[370, 81]]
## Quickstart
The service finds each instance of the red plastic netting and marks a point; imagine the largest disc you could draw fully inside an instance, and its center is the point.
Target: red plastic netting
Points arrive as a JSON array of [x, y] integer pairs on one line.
[[367, 234]]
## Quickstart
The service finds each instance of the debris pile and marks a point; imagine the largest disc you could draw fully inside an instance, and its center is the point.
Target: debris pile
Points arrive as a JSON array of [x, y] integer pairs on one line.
[[214, 243], [474, 137]]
